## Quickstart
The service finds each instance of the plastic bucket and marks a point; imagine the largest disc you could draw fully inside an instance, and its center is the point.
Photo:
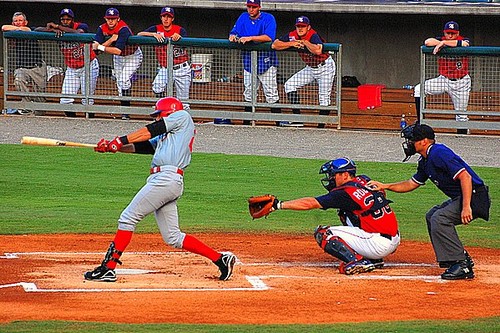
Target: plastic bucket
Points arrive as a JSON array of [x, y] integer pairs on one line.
[[200, 67]]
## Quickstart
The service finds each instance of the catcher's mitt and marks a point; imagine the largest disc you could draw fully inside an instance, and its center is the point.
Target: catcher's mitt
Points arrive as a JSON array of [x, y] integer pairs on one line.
[[262, 205]]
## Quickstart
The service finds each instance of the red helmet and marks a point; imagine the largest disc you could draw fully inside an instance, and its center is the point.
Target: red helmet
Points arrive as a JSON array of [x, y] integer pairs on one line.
[[167, 105]]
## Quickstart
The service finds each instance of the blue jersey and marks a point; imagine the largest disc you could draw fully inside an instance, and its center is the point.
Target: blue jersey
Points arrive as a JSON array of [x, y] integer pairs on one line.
[[442, 166], [265, 24]]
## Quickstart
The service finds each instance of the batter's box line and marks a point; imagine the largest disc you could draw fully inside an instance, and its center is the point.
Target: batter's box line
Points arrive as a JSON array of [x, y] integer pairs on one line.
[[256, 285]]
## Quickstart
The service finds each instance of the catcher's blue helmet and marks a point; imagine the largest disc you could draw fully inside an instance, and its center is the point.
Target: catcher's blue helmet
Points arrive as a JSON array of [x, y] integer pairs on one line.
[[343, 164]]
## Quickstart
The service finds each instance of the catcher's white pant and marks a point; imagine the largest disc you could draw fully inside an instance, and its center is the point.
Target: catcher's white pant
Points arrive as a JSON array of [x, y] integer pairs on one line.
[[158, 195], [369, 245], [182, 81], [74, 79], [324, 75], [458, 90], [125, 67], [269, 85]]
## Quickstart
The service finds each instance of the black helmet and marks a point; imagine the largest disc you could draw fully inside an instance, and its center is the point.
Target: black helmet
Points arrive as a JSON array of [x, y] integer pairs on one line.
[[333, 167], [412, 134]]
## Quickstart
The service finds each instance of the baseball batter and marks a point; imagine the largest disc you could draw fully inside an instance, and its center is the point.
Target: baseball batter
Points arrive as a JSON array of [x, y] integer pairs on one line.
[[255, 26], [126, 58], [73, 52], [453, 76], [181, 70], [320, 66], [170, 139], [370, 229]]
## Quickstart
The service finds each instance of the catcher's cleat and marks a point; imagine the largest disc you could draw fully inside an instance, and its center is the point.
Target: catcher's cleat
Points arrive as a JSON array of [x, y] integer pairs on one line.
[[459, 271], [357, 266], [101, 274], [226, 264], [378, 263]]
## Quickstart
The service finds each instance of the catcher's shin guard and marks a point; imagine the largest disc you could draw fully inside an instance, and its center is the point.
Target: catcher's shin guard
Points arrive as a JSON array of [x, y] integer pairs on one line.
[[112, 255], [334, 245]]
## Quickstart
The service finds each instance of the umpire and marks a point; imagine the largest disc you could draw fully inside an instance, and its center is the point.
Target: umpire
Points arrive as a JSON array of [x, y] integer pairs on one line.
[[469, 198]]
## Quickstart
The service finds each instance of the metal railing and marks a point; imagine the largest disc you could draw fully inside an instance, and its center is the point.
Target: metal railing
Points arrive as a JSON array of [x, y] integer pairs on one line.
[[215, 87]]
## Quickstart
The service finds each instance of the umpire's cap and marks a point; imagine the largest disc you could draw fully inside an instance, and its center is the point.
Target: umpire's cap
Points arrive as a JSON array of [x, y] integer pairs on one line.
[[418, 132]]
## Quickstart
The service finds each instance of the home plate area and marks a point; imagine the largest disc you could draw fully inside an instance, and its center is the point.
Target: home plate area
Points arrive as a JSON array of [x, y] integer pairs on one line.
[[183, 271]]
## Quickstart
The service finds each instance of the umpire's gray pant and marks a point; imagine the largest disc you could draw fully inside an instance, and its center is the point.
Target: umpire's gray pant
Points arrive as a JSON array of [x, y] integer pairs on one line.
[[441, 222]]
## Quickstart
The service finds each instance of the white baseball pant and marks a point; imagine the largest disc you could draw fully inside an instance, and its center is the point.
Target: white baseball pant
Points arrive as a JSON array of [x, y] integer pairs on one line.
[[74, 79], [158, 195], [182, 81], [324, 75], [125, 67], [369, 245], [458, 90], [269, 85]]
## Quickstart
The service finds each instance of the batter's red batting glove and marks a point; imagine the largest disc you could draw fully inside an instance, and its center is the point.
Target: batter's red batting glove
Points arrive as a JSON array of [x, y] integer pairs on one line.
[[102, 146], [115, 145]]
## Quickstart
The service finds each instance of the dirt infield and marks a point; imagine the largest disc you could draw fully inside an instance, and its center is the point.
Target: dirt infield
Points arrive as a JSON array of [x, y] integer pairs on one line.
[[281, 279]]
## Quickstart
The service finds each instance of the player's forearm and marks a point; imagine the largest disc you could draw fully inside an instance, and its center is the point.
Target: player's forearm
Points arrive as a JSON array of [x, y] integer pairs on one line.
[[316, 49], [261, 39], [140, 135], [301, 204], [402, 187], [280, 45]]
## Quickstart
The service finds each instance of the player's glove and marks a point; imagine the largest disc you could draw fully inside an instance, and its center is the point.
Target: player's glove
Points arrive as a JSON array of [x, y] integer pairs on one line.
[[102, 146], [263, 205], [115, 145]]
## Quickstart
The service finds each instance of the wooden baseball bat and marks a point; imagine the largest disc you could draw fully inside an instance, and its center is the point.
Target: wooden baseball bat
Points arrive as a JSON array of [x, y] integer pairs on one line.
[[29, 140]]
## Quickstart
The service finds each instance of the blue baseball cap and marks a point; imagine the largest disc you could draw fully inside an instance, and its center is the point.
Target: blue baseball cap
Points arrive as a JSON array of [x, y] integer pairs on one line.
[[112, 13], [167, 11], [67, 11], [253, 3], [302, 21], [451, 26]]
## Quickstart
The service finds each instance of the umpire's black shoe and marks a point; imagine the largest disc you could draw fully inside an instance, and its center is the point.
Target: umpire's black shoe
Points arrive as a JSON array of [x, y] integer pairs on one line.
[[448, 264], [101, 274], [459, 271], [225, 264]]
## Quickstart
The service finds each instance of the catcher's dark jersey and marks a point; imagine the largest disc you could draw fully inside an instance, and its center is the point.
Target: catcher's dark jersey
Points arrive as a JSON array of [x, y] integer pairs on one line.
[[360, 207]]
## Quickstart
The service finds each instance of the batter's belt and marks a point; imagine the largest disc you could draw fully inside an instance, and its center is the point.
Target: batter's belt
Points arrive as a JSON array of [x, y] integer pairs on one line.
[[171, 168]]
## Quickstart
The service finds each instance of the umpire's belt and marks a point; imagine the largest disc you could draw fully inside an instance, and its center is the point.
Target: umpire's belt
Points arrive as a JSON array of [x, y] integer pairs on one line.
[[389, 237], [161, 168], [184, 64]]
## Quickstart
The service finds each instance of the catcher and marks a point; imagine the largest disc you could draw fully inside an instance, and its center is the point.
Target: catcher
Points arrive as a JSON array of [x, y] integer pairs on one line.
[[370, 229]]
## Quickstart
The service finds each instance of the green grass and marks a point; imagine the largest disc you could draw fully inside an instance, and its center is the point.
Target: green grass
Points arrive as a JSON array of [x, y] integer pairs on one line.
[[63, 190], [476, 325]]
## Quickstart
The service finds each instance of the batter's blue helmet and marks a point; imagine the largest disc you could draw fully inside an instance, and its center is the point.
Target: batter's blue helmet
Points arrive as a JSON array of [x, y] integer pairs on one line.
[[329, 169]]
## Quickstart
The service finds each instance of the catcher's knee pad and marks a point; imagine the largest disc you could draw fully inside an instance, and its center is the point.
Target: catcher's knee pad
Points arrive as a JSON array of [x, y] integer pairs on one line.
[[336, 247], [321, 233]]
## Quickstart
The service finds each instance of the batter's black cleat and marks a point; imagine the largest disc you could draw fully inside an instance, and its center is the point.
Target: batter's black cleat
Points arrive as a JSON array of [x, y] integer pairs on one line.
[[459, 271], [357, 266], [448, 264], [226, 264], [101, 274]]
